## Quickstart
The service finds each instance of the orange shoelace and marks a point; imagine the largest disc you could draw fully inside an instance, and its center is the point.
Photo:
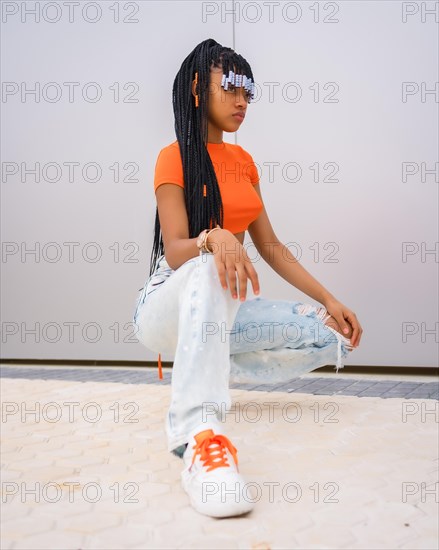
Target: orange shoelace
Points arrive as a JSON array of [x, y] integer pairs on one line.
[[212, 450]]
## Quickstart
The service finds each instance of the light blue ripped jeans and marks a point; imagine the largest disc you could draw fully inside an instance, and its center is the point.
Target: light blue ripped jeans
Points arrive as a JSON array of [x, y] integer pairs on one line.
[[217, 339]]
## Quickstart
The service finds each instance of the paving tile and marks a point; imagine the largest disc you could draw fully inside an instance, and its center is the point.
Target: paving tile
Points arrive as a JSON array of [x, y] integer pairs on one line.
[[18, 527], [335, 515], [370, 393], [200, 542], [57, 539], [420, 543], [178, 499], [88, 523], [368, 453], [348, 391], [422, 393], [152, 515], [10, 543], [323, 391], [326, 535], [44, 474], [382, 516], [126, 536]]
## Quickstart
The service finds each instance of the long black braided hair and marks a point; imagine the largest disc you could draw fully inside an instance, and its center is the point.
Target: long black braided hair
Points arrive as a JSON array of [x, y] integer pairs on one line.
[[191, 131]]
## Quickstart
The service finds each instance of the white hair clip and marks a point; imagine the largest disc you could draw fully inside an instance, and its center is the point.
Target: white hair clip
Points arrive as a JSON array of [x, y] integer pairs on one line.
[[238, 80]]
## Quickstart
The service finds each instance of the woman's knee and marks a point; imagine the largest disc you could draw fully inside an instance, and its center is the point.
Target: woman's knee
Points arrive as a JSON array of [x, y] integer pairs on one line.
[[158, 341], [155, 325]]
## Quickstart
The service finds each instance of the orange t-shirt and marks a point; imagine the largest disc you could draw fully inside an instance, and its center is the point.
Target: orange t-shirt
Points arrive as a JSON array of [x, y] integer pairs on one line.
[[236, 174]]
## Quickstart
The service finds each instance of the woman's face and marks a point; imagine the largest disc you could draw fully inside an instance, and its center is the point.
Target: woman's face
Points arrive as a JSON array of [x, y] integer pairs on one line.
[[224, 104]]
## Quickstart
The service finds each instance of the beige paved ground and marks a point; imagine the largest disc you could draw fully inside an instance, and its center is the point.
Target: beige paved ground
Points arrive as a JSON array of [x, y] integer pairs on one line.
[[344, 472]]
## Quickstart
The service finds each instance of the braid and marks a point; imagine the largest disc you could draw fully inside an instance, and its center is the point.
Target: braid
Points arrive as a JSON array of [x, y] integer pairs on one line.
[[191, 132]]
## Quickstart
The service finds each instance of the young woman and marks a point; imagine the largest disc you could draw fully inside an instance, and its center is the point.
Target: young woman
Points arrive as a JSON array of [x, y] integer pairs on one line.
[[194, 303]]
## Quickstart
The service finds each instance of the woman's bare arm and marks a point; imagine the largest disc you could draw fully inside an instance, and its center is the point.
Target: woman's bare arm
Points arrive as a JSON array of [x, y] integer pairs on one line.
[[174, 225], [289, 268], [277, 255]]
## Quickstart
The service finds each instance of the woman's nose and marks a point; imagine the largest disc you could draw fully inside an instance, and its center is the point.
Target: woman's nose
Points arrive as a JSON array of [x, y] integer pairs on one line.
[[240, 96]]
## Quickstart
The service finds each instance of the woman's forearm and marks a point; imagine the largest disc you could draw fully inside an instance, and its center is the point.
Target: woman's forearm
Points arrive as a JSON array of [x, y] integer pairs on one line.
[[289, 268], [179, 251]]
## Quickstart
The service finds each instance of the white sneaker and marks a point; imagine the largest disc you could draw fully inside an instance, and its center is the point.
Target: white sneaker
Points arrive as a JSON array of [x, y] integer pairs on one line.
[[211, 477]]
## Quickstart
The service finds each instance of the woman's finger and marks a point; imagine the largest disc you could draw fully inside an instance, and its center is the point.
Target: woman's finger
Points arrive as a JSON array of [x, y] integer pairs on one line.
[[338, 316], [253, 276], [232, 278], [352, 318], [242, 278]]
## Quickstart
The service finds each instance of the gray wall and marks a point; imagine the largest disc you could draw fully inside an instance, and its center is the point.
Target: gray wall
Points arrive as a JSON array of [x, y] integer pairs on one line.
[[338, 152]]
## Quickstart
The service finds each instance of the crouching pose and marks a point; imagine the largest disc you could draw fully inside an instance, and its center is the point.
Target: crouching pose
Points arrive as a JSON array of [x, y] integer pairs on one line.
[[194, 303]]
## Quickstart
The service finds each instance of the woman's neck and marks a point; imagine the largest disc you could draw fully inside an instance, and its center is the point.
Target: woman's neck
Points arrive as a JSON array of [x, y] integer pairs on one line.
[[214, 134]]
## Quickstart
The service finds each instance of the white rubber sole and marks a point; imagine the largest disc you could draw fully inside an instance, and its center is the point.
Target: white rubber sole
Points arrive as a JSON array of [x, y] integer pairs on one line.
[[214, 506]]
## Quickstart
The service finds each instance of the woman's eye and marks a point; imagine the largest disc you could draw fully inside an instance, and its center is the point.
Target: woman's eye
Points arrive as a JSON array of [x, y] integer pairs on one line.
[[231, 88]]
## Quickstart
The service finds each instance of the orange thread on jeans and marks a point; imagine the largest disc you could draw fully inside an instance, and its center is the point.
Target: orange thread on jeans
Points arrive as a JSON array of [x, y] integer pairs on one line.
[[159, 362]]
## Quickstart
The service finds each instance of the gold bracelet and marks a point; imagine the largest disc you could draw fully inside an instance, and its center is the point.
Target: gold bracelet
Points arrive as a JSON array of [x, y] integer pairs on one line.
[[205, 238]]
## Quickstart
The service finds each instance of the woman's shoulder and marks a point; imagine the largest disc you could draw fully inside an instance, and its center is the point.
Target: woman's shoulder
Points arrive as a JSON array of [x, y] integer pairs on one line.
[[173, 144], [172, 151], [169, 153], [238, 149], [169, 168], [171, 148]]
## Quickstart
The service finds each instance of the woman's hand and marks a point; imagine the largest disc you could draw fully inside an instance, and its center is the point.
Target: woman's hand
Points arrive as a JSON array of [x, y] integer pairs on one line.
[[346, 319], [231, 258]]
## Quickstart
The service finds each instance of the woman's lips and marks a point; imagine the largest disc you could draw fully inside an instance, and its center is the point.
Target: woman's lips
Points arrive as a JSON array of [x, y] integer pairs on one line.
[[239, 117]]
